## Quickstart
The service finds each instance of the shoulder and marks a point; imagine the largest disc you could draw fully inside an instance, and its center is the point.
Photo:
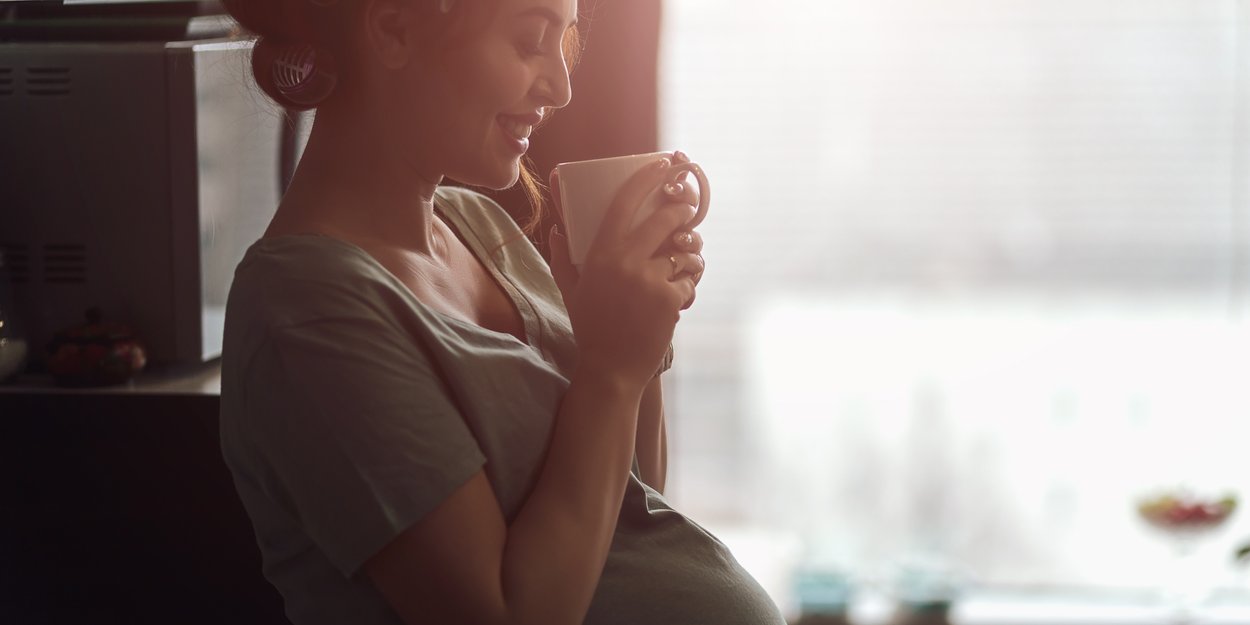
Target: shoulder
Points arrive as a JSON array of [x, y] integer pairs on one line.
[[289, 280], [311, 293]]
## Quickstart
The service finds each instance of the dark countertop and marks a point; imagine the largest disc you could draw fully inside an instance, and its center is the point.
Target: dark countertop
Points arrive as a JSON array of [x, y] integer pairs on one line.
[[202, 379], [116, 507]]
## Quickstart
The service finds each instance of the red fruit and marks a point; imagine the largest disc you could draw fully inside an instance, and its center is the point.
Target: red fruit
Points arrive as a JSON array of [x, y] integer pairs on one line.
[[66, 361], [1177, 515], [92, 355]]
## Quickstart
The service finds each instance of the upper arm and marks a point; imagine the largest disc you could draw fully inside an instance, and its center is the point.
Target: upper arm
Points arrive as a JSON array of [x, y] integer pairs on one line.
[[446, 567], [379, 468], [358, 432]]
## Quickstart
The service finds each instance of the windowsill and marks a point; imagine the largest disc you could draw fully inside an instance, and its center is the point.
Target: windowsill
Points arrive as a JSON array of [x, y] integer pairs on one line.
[[1017, 609], [768, 558]]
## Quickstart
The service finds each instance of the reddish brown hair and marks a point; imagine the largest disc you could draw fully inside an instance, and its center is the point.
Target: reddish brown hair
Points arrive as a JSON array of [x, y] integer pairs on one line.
[[280, 22]]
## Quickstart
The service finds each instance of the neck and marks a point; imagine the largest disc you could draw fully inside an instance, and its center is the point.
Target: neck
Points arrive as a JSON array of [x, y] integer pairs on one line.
[[352, 178]]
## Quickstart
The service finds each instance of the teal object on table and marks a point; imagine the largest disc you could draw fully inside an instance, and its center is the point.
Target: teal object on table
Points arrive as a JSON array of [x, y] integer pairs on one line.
[[822, 592]]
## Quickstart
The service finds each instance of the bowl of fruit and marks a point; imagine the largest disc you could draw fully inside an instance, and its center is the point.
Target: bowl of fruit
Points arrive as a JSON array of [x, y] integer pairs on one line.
[[1181, 511], [95, 353]]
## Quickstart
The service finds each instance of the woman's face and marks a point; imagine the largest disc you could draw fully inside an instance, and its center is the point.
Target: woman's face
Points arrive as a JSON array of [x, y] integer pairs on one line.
[[477, 100]]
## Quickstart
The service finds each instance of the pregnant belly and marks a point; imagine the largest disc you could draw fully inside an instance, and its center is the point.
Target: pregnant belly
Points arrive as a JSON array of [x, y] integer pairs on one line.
[[664, 569]]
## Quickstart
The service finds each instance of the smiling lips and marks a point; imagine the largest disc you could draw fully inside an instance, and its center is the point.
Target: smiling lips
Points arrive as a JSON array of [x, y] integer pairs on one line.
[[516, 128], [519, 127]]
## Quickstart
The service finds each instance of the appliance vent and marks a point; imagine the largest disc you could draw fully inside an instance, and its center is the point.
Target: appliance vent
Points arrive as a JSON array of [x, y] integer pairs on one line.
[[6, 81], [64, 264], [47, 81], [16, 259]]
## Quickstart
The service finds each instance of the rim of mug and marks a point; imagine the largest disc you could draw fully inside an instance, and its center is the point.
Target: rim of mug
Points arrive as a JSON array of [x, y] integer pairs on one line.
[[615, 158]]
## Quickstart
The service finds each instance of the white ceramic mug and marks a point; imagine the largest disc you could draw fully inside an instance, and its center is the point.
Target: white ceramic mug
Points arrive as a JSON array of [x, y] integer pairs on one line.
[[587, 189]]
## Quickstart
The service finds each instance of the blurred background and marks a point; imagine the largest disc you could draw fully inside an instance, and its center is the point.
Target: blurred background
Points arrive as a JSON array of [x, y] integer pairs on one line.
[[977, 286]]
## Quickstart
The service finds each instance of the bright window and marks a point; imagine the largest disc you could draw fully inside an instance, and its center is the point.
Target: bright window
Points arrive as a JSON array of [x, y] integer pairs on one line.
[[979, 277]]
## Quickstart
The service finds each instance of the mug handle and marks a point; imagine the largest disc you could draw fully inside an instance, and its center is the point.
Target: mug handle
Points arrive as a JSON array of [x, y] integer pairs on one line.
[[705, 190]]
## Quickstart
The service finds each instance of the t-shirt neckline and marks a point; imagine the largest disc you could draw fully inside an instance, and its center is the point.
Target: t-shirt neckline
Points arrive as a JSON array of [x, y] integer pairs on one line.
[[472, 243]]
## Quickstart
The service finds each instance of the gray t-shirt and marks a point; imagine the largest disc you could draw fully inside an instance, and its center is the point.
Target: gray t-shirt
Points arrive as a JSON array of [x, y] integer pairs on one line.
[[350, 409]]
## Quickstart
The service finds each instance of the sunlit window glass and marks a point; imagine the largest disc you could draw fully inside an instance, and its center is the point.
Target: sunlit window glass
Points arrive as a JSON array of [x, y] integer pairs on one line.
[[977, 284]]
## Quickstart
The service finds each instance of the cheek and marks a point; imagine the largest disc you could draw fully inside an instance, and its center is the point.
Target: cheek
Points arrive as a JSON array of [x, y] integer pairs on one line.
[[500, 81]]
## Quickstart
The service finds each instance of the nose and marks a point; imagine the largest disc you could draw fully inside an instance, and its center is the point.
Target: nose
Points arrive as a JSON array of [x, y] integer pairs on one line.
[[554, 87]]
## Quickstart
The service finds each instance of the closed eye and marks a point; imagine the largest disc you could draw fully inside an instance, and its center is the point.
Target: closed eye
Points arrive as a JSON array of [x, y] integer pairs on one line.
[[530, 50]]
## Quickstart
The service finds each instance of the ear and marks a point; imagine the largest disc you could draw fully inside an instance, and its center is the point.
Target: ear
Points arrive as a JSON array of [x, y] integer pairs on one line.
[[389, 31]]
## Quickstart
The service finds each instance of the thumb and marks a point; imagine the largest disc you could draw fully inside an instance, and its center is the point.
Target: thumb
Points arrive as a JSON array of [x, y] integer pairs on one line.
[[562, 268]]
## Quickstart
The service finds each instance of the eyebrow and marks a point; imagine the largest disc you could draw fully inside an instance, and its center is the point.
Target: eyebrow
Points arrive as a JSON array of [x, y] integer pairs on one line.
[[547, 13]]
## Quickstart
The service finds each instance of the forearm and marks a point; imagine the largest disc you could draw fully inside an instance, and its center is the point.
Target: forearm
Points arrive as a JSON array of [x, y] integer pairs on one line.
[[651, 444], [558, 543]]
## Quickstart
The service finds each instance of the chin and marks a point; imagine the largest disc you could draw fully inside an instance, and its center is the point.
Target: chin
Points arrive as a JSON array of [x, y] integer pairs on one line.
[[498, 178], [508, 181]]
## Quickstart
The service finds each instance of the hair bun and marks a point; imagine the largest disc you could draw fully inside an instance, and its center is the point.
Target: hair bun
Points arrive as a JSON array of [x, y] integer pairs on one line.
[[305, 74], [298, 76]]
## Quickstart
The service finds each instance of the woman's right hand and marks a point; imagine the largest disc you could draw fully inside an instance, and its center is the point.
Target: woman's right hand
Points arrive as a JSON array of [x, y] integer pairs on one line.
[[625, 304]]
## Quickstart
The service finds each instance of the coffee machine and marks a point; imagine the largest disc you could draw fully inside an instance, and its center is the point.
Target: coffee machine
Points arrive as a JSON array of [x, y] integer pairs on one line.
[[138, 161]]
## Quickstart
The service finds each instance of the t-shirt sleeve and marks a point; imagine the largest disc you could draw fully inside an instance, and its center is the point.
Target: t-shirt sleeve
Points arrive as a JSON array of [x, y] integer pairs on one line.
[[359, 432]]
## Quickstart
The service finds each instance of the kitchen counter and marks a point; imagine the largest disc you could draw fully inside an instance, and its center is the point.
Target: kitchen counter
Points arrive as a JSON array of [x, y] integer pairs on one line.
[[117, 507], [196, 380]]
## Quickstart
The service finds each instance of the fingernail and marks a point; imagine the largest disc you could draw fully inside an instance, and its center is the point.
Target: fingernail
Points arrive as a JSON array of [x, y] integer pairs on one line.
[[674, 188], [663, 163], [680, 157], [684, 239]]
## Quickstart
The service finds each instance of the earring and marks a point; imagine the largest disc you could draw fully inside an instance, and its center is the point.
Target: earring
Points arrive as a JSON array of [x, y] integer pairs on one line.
[[304, 74]]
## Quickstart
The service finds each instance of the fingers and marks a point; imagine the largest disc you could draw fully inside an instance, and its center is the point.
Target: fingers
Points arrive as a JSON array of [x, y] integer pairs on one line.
[[682, 191], [616, 223], [689, 262], [656, 231], [676, 193], [684, 290], [691, 243], [689, 302], [674, 272], [686, 263], [687, 241]]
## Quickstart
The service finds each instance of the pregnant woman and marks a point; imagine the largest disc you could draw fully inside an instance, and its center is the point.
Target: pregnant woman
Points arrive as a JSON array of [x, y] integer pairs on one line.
[[427, 422]]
